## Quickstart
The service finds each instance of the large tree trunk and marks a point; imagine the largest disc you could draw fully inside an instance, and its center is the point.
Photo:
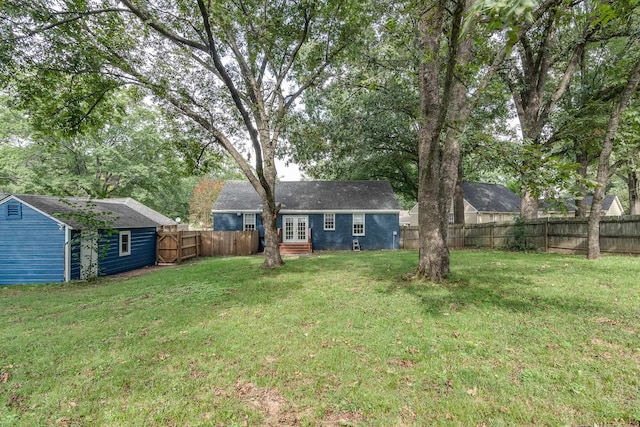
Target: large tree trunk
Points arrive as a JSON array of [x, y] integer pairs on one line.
[[634, 188], [272, 256], [266, 170], [528, 204], [433, 263], [439, 160], [594, 224], [604, 167]]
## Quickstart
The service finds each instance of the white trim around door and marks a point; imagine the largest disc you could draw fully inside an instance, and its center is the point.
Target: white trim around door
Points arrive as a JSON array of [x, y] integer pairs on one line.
[[295, 228]]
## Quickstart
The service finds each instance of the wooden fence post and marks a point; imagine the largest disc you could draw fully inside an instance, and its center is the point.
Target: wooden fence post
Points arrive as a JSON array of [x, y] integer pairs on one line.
[[491, 236], [179, 244], [546, 235]]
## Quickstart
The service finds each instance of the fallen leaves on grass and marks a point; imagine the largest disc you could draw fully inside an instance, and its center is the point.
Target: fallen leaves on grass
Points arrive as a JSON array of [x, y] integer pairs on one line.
[[401, 363], [17, 401]]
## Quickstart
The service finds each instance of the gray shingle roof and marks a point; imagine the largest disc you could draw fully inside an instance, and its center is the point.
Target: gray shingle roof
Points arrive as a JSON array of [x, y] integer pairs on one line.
[[490, 197], [570, 203], [239, 196], [122, 214]]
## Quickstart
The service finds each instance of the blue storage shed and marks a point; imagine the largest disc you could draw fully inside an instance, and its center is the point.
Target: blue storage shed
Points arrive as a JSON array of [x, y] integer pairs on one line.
[[316, 215], [45, 239]]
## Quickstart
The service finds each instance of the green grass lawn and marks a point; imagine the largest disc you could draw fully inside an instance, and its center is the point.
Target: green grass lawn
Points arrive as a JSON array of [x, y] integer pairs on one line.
[[330, 339]]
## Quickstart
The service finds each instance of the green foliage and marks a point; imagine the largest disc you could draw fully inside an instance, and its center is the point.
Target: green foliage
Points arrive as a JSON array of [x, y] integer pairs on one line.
[[328, 339], [362, 127], [94, 231], [519, 241], [498, 14], [140, 153]]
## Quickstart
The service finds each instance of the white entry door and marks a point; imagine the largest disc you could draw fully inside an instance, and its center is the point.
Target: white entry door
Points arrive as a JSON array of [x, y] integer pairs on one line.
[[295, 228]]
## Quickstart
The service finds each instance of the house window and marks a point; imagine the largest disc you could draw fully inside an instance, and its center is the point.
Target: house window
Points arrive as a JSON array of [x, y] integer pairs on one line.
[[329, 221], [358, 224], [124, 243], [249, 222], [14, 211], [452, 217]]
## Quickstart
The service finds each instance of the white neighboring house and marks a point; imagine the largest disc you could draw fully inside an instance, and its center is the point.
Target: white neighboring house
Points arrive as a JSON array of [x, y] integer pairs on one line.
[[405, 218], [611, 206], [483, 203]]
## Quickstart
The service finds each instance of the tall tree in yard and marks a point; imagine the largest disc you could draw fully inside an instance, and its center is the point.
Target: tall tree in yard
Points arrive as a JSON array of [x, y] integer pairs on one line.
[[538, 74], [234, 67], [605, 169], [449, 90]]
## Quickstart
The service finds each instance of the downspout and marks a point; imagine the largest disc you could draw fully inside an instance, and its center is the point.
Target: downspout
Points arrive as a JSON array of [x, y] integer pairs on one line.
[[67, 253]]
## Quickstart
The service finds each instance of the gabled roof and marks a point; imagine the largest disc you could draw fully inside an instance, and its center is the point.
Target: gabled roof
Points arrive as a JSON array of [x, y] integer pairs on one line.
[[308, 196], [125, 213], [143, 209], [2, 196], [490, 197], [570, 203]]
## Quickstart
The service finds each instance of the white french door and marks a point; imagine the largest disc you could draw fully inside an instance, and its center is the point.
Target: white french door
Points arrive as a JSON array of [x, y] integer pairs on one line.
[[295, 228]]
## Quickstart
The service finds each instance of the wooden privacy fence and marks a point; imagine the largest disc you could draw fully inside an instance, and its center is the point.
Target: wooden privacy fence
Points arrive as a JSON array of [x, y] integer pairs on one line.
[[177, 246], [618, 235], [229, 243]]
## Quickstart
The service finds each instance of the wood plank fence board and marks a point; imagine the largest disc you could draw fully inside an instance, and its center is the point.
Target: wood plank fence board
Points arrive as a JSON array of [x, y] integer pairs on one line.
[[618, 235], [177, 246]]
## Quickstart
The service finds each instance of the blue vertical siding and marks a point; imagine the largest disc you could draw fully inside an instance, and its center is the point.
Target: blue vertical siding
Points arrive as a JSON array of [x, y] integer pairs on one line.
[[379, 230], [143, 251], [31, 248]]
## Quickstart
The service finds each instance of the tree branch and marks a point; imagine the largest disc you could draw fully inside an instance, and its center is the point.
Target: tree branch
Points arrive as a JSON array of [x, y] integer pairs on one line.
[[148, 20], [78, 16], [253, 134]]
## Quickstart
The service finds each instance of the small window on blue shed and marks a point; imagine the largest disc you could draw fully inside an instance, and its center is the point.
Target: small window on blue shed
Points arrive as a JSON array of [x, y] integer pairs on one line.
[[14, 210], [124, 243]]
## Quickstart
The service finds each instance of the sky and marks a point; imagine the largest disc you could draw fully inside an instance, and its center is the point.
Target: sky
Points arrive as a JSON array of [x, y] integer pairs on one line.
[[288, 173]]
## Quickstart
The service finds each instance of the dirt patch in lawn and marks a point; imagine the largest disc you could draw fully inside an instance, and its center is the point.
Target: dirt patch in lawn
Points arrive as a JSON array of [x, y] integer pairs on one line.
[[270, 403], [141, 271], [278, 412]]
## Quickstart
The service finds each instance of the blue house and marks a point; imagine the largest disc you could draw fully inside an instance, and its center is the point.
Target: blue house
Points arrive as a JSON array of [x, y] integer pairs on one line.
[[316, 215], [45, 239]]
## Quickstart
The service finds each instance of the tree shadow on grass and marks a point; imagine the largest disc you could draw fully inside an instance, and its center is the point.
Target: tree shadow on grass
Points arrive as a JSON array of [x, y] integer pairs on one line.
[[506, 290]]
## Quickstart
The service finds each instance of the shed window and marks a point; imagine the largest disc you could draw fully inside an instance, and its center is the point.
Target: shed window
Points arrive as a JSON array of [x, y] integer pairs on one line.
[[358, 224], [14, 211], [249, 222], [124, 243], [329, 221]]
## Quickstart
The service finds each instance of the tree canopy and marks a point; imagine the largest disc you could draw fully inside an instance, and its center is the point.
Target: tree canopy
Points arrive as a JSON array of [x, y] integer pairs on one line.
[[419, 93], [234, 68]]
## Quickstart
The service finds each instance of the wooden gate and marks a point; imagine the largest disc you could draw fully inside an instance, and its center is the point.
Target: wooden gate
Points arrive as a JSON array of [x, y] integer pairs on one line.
[[177, 246]]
